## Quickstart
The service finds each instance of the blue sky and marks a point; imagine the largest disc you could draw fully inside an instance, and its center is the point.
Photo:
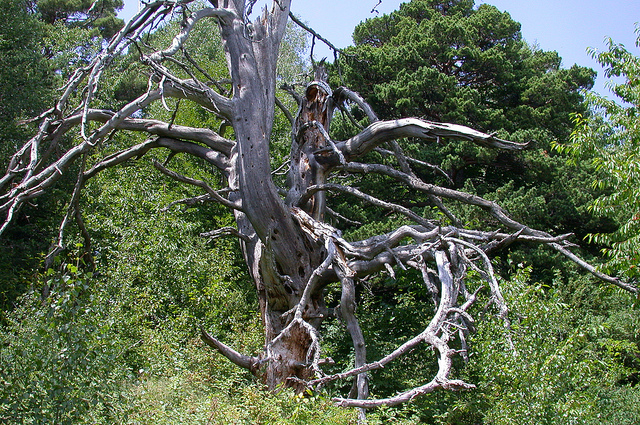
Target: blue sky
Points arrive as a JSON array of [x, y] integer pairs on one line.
[[567, 26]]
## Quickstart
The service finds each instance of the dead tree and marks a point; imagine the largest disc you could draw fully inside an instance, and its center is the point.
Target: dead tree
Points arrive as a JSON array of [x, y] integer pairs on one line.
[[291, 252]]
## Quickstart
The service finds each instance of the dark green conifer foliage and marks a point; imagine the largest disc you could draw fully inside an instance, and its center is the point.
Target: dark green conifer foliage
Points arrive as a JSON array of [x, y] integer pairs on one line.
[[453, 61], [97, 15]]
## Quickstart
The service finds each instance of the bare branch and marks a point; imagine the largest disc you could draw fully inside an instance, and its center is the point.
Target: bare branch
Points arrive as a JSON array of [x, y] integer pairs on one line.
[[348, 308], [489, 276], [155, 127], [343, 95], [188, 201], [246, 362], [141, 149], [527, 233], [383, 131], [371, 247], [429, 336], [453, 385], [293, 93], [372, 200], [217, 83], [441, 380], [215, 195], [115, 46], [72, 210], [579, 261], [435, 168], [343, 218], [442, 192], [232, 231], [312, 32], [201, 135], [285, 111], [36, 180], [187, 26], [119, 157], [195, 91]]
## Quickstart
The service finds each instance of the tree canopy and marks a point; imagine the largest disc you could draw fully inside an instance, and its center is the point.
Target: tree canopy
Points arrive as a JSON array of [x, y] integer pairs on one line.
[[24, 74], [99, 15], [470, 66], [462, 64]]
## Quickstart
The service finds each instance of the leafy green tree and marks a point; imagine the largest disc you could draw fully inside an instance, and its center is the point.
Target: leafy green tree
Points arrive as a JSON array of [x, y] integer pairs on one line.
[[26, 90], [575, 359], [609, 135], [41, 41], [25, 79]]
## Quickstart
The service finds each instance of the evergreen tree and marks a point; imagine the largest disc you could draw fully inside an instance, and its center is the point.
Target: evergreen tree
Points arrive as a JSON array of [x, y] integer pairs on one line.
[[98, 15], [451, 61], [25, 79]]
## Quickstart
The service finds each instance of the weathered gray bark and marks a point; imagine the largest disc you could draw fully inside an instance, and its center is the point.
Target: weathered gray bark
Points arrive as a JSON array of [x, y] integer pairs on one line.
[[281, 255]]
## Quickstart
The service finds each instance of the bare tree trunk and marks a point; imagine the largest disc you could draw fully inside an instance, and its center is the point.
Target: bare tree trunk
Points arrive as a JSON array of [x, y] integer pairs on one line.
[[285, 261], [280, 255]]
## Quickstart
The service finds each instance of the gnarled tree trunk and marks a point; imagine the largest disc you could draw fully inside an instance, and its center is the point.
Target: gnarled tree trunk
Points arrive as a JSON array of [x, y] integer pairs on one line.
[[281, 256]]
